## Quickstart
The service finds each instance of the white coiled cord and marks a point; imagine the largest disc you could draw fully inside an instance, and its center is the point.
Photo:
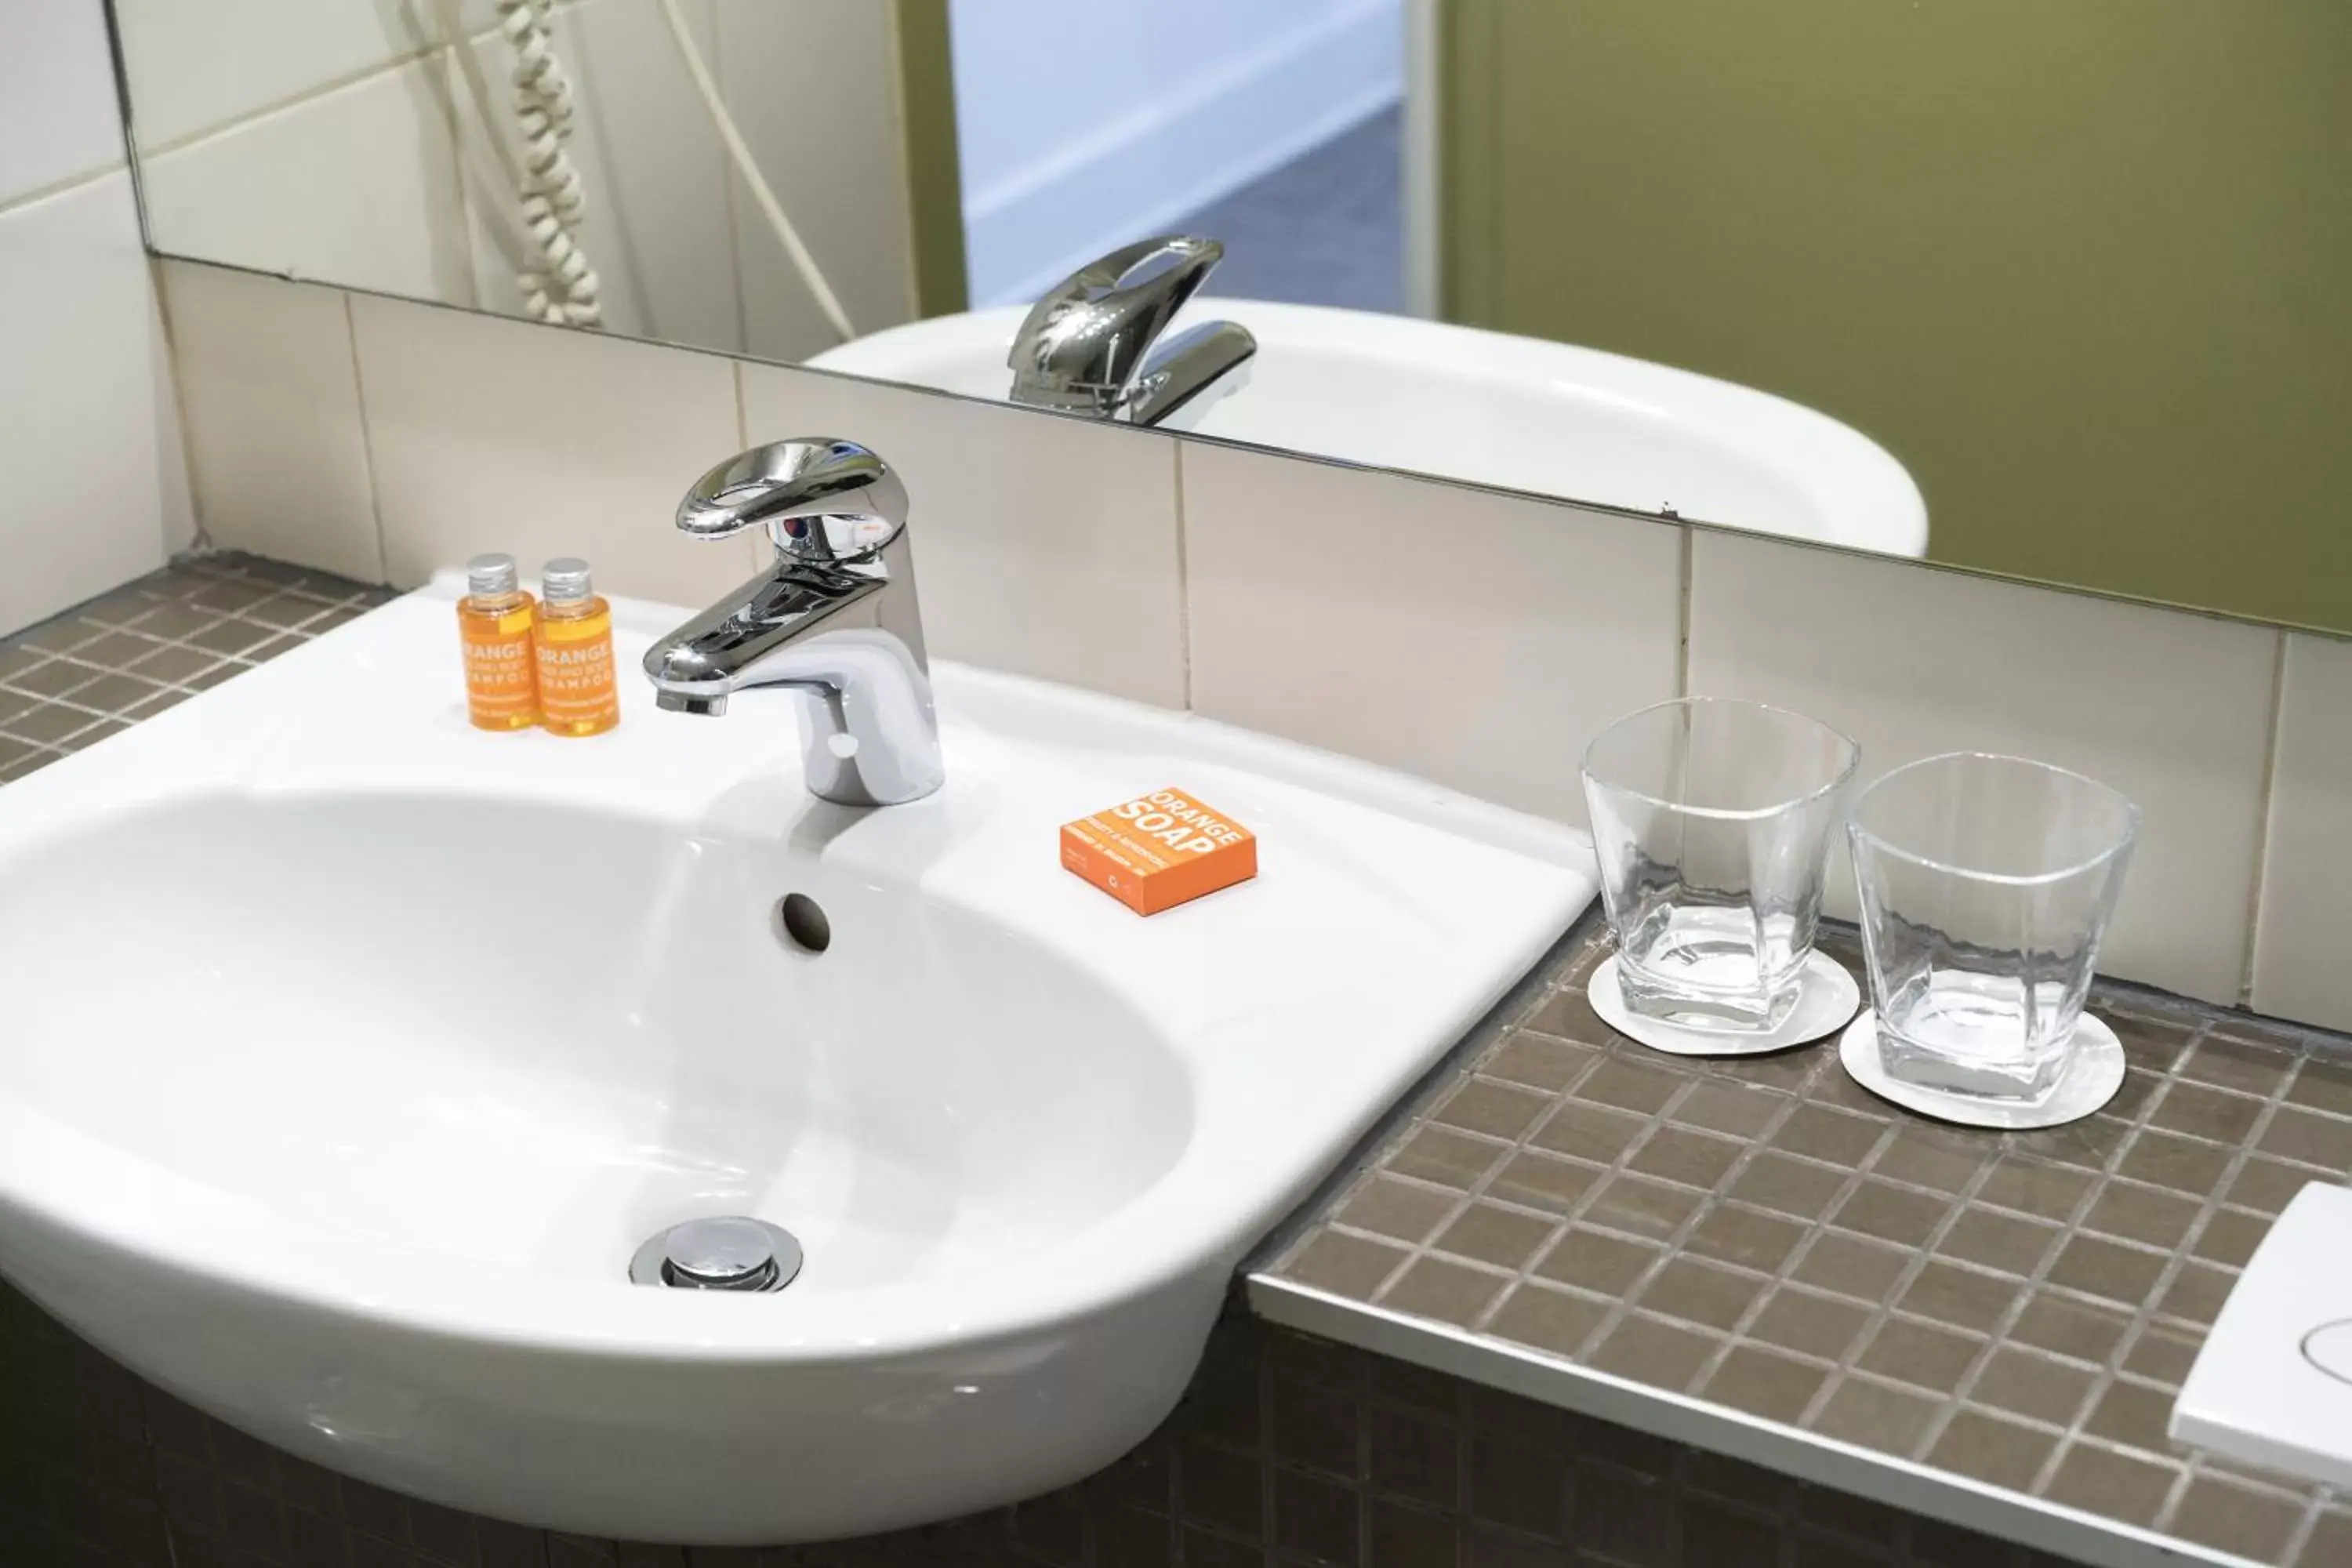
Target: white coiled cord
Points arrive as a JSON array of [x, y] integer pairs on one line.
[[554, 200], [565, 290], [714, 103]]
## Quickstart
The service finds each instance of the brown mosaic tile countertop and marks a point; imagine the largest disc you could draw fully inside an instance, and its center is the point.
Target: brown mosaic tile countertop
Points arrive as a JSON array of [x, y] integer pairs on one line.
[[98, 669], [1758, 1256]]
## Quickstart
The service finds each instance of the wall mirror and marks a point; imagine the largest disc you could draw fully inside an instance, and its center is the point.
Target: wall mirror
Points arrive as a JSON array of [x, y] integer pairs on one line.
[[2053, 291]]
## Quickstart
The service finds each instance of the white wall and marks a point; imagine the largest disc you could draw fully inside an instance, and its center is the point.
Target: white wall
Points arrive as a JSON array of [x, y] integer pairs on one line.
[[335, 140], [1083, 125], [92, 489]]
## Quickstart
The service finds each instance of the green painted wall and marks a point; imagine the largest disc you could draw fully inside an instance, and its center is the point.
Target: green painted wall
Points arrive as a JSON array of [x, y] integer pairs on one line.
[[2085, 266]]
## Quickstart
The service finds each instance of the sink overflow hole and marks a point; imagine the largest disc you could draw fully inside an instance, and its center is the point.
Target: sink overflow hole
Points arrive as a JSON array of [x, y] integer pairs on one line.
[[804, 922]]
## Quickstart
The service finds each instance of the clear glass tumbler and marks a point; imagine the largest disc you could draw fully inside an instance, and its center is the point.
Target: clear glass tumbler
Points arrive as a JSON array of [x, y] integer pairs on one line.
[[1987, 883], [1712, 820]]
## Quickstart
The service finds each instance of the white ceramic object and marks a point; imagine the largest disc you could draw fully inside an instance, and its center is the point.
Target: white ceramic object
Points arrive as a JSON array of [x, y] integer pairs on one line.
[[2272, 1383], [347, 1053], [2088, 1082], [1826, 997], [1492, 408]]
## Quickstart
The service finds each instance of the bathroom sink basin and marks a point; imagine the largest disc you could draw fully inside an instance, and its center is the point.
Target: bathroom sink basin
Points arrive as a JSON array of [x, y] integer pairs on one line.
[[1495, 409], [348, 1053]]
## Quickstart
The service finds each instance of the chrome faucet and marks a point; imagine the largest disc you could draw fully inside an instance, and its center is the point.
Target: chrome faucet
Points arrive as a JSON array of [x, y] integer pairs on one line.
[[837, 516], [1092, 345]]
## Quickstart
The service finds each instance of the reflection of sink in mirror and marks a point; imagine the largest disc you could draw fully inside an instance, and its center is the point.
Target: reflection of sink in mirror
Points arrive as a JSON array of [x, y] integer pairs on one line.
[[471, 1018], [1493, 409]]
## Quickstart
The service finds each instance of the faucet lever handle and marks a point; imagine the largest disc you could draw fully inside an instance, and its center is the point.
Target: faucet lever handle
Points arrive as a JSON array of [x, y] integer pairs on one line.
[[1085, 338], [820, 497], [1179, 263]]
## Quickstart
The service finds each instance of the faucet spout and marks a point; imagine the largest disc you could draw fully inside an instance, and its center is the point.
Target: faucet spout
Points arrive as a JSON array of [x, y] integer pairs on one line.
[[837, 516]]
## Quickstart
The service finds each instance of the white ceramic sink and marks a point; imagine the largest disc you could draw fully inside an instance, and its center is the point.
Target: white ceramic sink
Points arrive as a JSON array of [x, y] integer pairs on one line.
[[347, 1053], [1493, 409]]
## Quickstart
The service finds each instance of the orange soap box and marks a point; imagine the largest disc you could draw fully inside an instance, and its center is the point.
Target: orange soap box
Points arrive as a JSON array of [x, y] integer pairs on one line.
[[1158, 851]]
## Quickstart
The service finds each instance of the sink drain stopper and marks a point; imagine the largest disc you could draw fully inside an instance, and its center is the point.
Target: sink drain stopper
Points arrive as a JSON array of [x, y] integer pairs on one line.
[[731, 1253]]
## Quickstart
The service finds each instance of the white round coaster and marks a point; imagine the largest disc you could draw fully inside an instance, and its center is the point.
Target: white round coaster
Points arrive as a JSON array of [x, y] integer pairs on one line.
[[2090, 1082], [1826, 998]]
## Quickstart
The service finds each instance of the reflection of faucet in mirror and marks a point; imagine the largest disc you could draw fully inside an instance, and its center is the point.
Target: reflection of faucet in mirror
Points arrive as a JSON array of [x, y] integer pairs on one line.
[[1092, 345], [837, 516]]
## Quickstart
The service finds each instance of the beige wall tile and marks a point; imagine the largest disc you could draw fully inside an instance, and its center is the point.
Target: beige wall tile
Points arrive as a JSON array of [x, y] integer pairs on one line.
[[2171, 709], [195, 66], [93, 484], [271, 409], [2304, 922], [490, 434], [787, 66], [1477, 640], [1045, 546], [57, 118], [655, 176], [357, 187]]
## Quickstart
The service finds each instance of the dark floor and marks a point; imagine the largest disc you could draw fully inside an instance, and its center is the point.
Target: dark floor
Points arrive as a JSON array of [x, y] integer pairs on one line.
[[129, 654], [1287, 1452], [1325, 230]]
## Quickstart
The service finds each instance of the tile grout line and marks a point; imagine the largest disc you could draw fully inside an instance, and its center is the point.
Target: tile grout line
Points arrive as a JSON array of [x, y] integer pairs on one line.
[[1183, 572], [1481, 1193], [195, 578], [168, 324], [731, 213], [1672, 1248], [2077, 1223], [69, 183], [1468, 1198], [2128, 1184], [902, 146], [1878, 1314], [2094, 1165], [1524, 1275], [367, 439], [1412, 1113], [1462, 1198], [66, 655], [1888, 1309], [2170, 1509], [2268, 796], [1582, 1206], [1772, 1279], [474, 224], [1687, 561], [1750, 1207], [245, 120]]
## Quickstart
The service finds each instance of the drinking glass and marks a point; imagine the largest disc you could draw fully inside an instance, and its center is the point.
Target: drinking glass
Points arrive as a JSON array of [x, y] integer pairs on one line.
[[1987, 883], [1712, 820]]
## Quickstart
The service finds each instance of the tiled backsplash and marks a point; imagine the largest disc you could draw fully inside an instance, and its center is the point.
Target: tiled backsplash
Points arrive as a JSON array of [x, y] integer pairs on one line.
[[2300, 929], [2173, 709], [1045, 547], [1478, 639], [490, 434]]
